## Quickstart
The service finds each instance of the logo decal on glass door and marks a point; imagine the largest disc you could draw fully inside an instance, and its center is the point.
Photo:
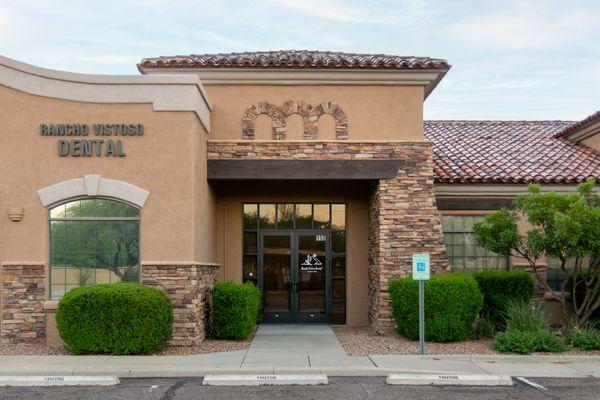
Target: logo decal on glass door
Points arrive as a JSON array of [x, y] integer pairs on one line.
[[311, 264]]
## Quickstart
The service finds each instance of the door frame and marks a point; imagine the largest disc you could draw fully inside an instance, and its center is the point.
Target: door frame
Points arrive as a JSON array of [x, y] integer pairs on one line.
[[294, 315]]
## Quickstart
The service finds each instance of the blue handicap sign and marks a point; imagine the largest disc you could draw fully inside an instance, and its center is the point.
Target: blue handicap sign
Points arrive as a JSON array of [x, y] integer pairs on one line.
[[421, 266]]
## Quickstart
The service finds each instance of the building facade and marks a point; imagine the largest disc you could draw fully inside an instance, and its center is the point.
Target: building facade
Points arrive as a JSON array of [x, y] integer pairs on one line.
[[311, 174]]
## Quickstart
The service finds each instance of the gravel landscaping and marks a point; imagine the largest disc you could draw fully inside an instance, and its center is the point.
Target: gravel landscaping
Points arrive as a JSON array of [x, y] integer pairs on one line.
[[363, 341], [208, 346]]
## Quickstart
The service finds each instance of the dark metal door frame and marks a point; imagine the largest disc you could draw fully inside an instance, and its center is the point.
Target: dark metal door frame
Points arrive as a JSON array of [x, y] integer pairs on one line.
[[294, 316]]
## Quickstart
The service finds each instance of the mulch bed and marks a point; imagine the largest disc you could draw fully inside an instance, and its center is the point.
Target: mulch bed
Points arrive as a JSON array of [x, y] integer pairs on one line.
[[362, 341], [207, 346]]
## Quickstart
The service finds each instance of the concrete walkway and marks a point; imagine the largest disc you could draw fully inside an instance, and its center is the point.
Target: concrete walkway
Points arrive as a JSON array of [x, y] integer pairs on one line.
[[300, 349]]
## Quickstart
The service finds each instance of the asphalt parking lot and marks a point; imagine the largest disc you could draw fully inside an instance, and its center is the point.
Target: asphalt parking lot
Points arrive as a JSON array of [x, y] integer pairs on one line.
[[339, 388]]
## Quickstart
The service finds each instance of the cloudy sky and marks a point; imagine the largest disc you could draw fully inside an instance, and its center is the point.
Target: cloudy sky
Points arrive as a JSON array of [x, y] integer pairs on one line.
[[511, 59]]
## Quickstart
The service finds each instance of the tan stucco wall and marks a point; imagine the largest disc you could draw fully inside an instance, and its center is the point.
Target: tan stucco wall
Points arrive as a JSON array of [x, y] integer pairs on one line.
[[593, 142], [168, 161], [374, 112], [231, 197]]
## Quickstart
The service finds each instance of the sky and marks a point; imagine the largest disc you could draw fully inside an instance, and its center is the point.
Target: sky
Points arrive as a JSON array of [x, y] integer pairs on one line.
[[518, 60]]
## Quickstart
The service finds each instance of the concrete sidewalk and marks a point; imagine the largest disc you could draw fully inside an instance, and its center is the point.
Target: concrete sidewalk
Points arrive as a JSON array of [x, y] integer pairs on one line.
[[233, 363], [300, 349]]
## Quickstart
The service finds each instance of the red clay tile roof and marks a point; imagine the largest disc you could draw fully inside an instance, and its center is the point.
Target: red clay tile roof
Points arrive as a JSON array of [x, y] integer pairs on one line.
[[294, 59], [508, 152], [580, 125]]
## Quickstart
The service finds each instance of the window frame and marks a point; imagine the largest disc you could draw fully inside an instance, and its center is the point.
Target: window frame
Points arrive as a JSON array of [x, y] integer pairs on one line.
[[463, 232], [50, 219]]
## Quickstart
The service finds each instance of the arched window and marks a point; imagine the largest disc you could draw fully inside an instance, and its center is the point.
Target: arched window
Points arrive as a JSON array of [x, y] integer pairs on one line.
[[93, 240]]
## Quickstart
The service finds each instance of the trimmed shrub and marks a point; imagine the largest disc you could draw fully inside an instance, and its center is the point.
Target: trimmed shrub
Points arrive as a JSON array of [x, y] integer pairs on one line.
[[499, 288], [452, 303], [527, 342], [586, 340], [115, 318], [235, 310]]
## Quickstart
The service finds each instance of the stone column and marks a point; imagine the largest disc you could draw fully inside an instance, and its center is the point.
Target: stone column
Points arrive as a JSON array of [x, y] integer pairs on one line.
[[403, 220], [189, 286], [23, 294]]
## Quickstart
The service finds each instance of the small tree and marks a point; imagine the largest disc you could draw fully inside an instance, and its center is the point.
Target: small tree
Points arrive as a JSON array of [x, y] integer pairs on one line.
[[564, 226]]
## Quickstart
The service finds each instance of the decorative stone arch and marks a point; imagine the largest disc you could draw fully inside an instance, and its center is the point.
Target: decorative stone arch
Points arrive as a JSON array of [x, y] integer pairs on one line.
[[93, 185], [264, 107], [307, 112], [341, 120]]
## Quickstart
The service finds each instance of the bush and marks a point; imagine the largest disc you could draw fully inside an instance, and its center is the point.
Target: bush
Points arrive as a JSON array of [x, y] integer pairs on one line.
[[586, 340], [485, 329], [499, 288], [452, 303], [235, 310], [525, 317], [117, 318], [580, 293], [527, 342]]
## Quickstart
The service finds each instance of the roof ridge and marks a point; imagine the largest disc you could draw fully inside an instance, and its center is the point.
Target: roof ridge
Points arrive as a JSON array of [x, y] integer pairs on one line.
[[499, 120]]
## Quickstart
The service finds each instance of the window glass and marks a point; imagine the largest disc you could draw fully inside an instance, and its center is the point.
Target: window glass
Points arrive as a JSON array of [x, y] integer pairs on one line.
[[250, 243], [338, 241], [267, 216], [303, 216], [285, 216], [338, 216], [463, 253], [92, 241], [250, 216], [321, 217]]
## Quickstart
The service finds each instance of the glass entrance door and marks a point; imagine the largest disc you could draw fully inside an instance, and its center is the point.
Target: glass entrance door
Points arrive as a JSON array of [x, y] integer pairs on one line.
[[312, 275], [294, 276], [276, 277]]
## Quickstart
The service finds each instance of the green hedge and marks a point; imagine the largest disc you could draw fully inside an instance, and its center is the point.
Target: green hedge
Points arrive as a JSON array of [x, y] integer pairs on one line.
[[586, 340], [499, 289], [452, 303], [527, 342], [117, 318], [235, 310]]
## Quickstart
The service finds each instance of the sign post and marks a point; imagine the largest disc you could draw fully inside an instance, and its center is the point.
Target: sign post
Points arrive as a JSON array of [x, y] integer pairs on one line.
[[421, 272]]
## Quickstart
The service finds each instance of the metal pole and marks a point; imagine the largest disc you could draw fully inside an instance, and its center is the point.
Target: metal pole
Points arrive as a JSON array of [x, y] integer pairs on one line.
[[421, 317]]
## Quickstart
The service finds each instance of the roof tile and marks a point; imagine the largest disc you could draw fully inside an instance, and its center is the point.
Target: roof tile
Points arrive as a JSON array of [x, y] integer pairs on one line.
[[508, 152]]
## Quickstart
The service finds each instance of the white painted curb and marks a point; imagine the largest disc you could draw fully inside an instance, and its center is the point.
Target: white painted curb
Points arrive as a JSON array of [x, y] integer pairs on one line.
[[58, 380], [431, 379], [255, 380]]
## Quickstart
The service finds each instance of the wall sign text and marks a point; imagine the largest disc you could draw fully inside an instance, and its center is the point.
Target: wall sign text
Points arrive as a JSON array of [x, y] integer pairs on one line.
[[106, 140]]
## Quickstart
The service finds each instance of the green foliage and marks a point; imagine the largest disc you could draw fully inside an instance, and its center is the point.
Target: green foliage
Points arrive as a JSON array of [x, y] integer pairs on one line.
[[524, 317], [118, 318], [235, 310], [586, 339], [527, 342], [499, 232], [564, 226], [452, 303], [499, 289], [485, 329]]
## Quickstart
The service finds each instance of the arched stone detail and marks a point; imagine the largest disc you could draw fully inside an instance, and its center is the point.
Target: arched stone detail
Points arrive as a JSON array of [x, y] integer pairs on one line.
[[341, 120], [310, 117], [263, 107], [93, 185], [308, 114]]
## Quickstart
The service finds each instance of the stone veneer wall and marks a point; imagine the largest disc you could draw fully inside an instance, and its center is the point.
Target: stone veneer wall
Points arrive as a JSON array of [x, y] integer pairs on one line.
[[189, 286], [403, 215], [23, 294]]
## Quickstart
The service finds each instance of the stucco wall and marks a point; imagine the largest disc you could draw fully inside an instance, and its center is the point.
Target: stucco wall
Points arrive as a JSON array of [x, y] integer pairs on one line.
[[374, 112], [163, 161]]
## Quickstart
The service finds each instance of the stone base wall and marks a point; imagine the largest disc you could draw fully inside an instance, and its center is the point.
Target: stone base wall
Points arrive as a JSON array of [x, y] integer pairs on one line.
[[23, 295], [403, 214], [189, 286], [404, 219]]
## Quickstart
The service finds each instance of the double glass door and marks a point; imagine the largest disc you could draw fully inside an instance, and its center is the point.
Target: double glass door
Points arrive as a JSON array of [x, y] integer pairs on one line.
[[294, 276]]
